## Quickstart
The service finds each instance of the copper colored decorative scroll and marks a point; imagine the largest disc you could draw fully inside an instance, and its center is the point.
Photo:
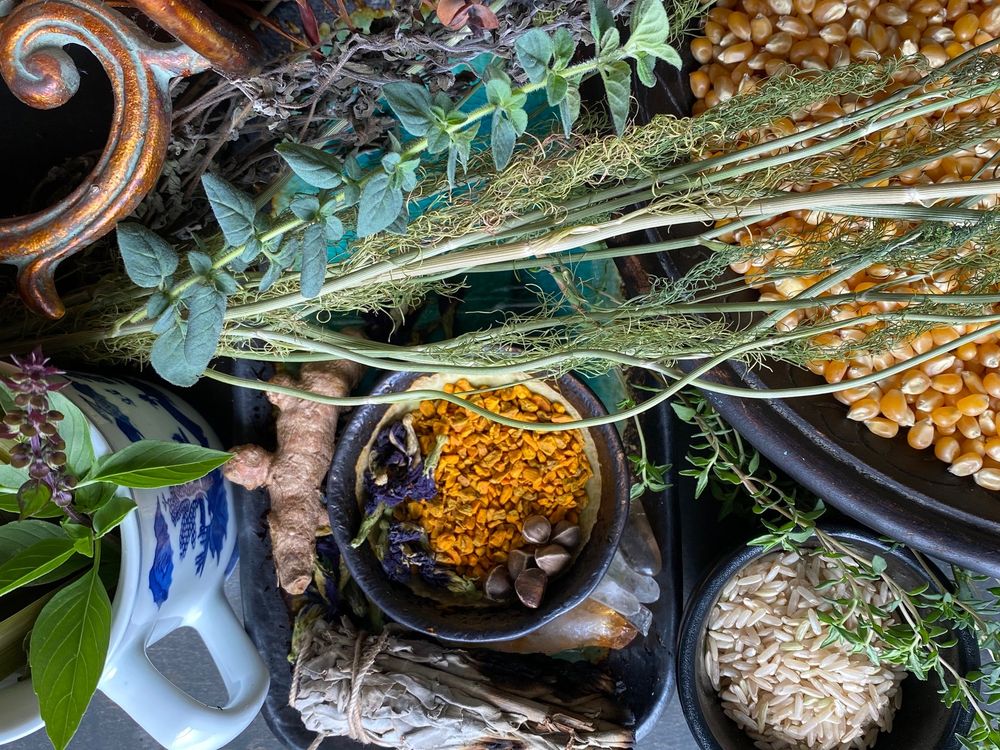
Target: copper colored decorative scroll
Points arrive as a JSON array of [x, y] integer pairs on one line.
[[41, 74]]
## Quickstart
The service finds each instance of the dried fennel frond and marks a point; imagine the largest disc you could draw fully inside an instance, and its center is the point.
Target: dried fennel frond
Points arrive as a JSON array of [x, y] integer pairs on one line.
[[398, 690]]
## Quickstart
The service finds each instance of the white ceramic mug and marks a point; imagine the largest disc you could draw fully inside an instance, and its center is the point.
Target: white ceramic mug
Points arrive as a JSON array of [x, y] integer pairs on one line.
[[177, 549]]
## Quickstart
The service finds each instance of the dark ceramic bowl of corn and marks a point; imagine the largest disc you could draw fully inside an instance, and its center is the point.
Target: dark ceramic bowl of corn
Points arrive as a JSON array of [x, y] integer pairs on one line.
[[470, 529]]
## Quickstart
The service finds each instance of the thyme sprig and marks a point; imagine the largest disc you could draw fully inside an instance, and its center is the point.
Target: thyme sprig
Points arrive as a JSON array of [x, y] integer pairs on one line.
[[927, 616]]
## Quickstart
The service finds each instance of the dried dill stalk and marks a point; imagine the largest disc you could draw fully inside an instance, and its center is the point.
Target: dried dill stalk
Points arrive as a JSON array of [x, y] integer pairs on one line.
[[401, 691]]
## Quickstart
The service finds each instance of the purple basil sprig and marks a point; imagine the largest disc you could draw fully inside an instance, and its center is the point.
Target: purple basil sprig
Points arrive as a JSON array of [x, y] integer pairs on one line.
[[41, 449]]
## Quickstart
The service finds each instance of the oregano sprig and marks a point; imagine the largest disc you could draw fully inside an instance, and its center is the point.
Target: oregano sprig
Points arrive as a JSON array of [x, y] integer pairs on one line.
[[190, 313]]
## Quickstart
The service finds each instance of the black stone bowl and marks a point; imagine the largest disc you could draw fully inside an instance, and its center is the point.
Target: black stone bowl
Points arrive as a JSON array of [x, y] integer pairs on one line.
[[922, 723], [477, 624], [883, 484]]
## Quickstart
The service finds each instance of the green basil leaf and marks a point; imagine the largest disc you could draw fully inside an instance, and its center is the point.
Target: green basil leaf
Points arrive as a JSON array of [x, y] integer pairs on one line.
[[82, 536], [233, 209], [569, 109], [644, 65], [563, 48], [69, 645], [555, 89], [379, 206], [502, 138], [149, 259], [19, 535], [617, 77], [313, 269], [89, 498], [534, 51], [150, 464], [34, 562], [32, 497], [305, 207], [650, 25], [600, 21], [206, 315], [110, 515], [74, 429], [312, 165], [411, 103], [11, 478]]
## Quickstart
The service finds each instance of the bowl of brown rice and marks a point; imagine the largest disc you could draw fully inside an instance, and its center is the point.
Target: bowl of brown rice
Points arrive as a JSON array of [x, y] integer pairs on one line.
[[755, 669]]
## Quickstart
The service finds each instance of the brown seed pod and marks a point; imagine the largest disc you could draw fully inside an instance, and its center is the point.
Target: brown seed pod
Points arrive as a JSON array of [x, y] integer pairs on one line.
[[536, 529], [519, 560], [552, 558], [567, 534], [530, 587], [498, 584]]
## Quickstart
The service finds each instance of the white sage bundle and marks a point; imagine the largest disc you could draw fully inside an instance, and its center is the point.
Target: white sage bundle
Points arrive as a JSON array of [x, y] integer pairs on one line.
[[401, 691]]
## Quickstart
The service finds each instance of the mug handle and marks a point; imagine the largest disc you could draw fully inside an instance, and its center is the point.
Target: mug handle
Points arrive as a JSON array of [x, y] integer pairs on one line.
[[171, 716]]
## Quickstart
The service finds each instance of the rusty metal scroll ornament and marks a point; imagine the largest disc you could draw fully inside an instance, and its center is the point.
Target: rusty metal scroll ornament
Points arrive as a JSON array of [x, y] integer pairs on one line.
[[41, 74]]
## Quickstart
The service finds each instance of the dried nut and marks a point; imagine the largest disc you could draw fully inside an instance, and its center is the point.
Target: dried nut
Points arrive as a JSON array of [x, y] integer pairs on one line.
[[567, 534], [498, 585], [536, 529], [530, 587], [519, 560], [552, 558]]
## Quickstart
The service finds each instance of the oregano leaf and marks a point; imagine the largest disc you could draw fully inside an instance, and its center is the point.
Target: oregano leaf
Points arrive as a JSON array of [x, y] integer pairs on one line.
[[497, 91], [563, 49], [534, 51], [149, 259], [333, 229], [379, 205], [411, 103], [519, 119], [69, 645], [167, 353], [600, 21], [617, 77], [165, 321], [206, 315], [305, 207], [438, 139], [555, 88], [313, 268], [644, 65], [610, 43], [201, 263], [156, 304], [312, 165], [668, 54], [225, 282], [649, 25], [569, 109], [502, 138], [233, 209], [271, 275]]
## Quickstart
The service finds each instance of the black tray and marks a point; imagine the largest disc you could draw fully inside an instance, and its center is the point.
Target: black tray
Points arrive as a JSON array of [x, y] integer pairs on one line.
[[898, 491], [646, 667]]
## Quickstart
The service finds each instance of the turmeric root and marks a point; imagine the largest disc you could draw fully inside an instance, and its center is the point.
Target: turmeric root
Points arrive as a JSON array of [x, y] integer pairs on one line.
[[293, 474]]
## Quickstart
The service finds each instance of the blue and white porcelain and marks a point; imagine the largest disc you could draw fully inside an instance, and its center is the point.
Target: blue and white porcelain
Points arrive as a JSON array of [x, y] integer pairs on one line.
[[177, 549]]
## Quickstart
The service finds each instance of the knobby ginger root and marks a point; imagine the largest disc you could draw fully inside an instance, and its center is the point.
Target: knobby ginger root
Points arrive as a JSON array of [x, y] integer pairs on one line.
[[293, 474]]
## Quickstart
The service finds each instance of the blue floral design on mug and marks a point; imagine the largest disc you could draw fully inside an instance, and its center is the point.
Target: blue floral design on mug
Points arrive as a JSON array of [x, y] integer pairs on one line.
[[199, 508]]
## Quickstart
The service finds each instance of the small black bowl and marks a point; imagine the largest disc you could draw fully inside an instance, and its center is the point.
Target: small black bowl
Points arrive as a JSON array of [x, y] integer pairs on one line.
[[922, 723], [477, 624]]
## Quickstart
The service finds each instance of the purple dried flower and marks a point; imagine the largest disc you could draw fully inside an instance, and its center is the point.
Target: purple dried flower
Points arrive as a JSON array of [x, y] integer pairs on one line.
[[41, 449], [396, 470]]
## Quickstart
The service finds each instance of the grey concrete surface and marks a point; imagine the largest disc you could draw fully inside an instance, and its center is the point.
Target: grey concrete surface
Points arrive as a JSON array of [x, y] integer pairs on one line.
[[182, 659]]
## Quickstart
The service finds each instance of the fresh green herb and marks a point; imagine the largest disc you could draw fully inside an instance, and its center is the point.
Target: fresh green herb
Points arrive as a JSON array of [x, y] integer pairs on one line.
[[927, 615], [53, 472]]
